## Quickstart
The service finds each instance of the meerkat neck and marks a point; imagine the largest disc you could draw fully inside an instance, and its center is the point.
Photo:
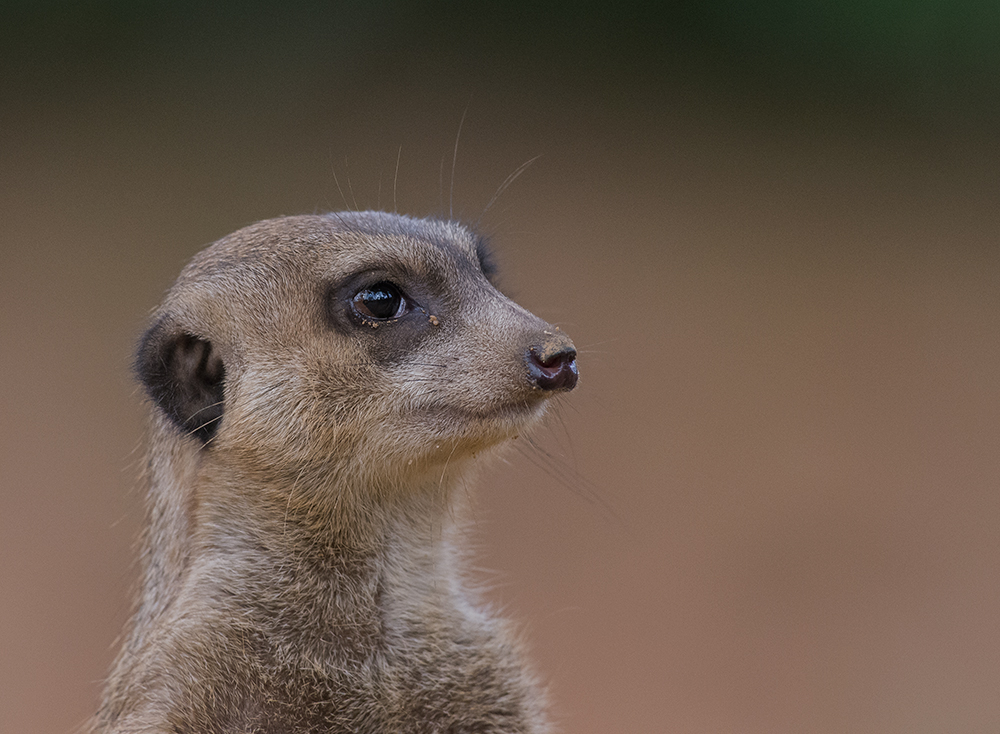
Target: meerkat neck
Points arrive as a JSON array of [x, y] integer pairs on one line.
[[345, 554]]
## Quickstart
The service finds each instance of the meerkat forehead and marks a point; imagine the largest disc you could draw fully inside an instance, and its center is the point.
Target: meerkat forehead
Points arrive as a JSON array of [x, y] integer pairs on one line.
[[279, 260], [344, 241], [445, 254]]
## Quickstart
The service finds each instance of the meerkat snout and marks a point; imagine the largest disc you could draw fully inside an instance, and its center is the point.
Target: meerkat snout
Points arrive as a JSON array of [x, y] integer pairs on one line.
[[553, 367], [320, 388]]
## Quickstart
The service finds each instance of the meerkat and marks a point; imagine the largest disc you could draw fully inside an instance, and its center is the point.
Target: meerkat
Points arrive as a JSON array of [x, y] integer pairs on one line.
[[320, 386]]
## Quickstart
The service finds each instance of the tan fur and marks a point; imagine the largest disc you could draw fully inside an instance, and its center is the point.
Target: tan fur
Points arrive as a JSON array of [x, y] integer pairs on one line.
[[301, 567]]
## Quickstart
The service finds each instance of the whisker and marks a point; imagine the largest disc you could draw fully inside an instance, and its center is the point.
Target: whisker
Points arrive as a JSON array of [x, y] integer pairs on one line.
[[206, 423], [347, 170], [395, 178], [569, 440], [454, 160], [507, 182], [557, 469], [211, 405], [337, 181]]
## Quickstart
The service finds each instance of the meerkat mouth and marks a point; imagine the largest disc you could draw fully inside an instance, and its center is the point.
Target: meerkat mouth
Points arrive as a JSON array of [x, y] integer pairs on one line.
[[490, 426]]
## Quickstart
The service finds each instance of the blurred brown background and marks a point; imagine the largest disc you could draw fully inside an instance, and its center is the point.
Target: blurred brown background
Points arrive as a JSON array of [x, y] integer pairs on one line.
[[771, 228]]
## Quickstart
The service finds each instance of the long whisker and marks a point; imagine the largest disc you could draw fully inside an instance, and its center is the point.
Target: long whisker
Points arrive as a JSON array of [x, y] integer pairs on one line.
[[395, 178], [569, 440], [557, 469], [349, 186], [206, 407], [206, 423], [454, 160], [507, 182], [337, 181]]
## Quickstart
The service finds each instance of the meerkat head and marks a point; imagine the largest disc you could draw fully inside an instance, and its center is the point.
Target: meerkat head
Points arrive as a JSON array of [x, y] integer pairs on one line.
[[357, 344]]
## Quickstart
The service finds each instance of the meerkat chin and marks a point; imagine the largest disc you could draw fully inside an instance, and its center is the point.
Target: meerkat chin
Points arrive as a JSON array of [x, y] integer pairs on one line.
[[319, 386]]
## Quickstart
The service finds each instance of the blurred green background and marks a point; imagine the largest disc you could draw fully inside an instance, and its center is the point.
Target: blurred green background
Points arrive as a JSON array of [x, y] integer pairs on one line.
[[922, 62], [771, 228]]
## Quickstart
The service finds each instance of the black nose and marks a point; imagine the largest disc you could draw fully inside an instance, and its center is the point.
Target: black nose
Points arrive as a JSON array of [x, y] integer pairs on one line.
[[553, 371]]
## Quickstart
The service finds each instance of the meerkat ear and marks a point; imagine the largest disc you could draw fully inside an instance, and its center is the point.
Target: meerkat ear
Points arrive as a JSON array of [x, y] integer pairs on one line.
[[184, 375]]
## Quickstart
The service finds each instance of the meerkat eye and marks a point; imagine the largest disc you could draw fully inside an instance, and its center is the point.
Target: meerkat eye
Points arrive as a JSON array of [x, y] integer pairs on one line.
[[383, 300]]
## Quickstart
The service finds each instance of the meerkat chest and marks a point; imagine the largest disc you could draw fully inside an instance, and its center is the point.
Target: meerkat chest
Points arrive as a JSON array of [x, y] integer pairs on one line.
[[412, 679]]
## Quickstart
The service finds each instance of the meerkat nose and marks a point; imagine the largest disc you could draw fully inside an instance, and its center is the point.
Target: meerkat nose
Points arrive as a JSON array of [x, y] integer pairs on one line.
[[553, 369]]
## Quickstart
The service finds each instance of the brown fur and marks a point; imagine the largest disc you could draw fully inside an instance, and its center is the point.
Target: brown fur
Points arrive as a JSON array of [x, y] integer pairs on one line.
[[301, 566]]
